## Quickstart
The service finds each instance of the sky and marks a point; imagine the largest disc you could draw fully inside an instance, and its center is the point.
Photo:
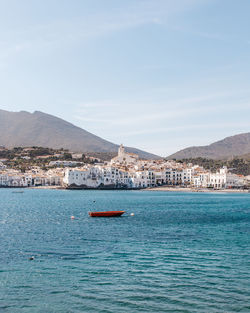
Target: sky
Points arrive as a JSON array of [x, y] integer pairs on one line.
[[159, 75]]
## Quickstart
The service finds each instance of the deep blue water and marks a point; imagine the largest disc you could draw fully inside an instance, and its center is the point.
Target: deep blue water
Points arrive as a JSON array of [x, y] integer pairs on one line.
[[180, 252]]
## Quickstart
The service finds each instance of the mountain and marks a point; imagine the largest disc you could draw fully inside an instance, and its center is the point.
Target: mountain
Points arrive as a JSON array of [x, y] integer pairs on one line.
[[26, 129], [245, 156], [223, 149]]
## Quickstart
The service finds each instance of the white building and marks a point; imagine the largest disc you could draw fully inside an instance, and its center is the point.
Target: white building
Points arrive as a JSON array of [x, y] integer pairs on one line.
[[218, 179], [96, 176], [225, 179], [141, 179], [201, 180], [15, 180], [2, 166], [64, 163], [178, 176]]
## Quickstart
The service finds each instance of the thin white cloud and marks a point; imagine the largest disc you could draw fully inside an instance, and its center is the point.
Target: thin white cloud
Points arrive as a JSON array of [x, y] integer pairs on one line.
[[87, 105], [63, 32], [133, 114], [225, 37], [215, 126], [92, 119]]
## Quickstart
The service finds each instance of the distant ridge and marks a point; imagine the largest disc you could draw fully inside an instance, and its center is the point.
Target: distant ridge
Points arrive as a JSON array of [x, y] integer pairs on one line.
[[228, 147], [26, 129]]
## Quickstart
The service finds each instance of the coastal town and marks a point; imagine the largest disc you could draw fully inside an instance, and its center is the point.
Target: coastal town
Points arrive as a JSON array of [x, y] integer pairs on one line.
[[124, 171]]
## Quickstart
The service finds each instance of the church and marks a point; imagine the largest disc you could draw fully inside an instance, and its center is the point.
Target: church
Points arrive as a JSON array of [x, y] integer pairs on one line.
[[124, 157]]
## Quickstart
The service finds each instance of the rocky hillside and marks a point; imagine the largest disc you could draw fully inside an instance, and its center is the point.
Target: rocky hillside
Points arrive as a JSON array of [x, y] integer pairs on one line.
[[223, 149], [24, 129]]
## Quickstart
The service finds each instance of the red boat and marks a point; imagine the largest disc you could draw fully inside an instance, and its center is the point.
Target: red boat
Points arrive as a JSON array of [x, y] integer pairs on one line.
[[106, 214]]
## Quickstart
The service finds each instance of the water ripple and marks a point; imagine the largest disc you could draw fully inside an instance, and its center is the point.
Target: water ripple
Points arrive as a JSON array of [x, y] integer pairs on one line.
[[178, 253]]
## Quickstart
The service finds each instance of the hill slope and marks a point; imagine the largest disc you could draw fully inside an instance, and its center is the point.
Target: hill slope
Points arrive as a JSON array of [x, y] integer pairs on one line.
[[26, 129], [223, 149]]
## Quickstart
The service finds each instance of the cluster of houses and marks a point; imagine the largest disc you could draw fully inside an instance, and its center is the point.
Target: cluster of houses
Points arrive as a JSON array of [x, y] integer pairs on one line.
[[33, 178], [126, 171]]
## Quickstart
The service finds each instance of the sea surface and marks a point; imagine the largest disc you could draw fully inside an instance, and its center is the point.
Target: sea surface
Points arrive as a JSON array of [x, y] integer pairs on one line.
[[180, 252]]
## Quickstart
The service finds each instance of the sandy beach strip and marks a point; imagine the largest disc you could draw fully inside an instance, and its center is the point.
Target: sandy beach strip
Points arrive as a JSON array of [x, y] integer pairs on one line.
[[189, 189]]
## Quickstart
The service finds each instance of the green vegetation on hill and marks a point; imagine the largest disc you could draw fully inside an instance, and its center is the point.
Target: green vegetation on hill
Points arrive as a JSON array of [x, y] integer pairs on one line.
[[104, 156], [24, 158], [238, 165]]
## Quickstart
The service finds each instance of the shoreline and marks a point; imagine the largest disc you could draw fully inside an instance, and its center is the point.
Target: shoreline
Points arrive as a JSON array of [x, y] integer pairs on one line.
[[194, 190], [159, 188]]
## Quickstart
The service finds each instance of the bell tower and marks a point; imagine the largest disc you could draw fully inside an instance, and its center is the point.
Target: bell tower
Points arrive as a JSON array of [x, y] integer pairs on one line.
[[121, 151]]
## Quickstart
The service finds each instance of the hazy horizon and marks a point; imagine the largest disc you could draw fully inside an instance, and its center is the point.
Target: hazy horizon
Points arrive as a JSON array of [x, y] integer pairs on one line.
[[152, 74]]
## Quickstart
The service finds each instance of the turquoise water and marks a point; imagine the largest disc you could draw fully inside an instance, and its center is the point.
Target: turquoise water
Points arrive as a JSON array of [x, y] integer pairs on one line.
[[180, 252]]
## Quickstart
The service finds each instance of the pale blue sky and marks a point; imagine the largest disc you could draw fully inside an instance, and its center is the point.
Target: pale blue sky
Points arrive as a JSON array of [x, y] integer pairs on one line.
[[159, 75]]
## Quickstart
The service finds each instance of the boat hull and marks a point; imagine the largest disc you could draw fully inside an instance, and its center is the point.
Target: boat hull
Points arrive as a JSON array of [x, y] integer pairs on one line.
[[106, 214]]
